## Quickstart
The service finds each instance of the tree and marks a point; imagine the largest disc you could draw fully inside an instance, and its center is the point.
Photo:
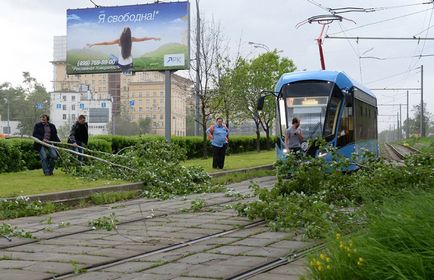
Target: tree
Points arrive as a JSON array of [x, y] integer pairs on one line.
[[211, 40], [145, 125], [124, 126], [36, 102], [225, 99], [254, 76], [16, 99], [414, 123]]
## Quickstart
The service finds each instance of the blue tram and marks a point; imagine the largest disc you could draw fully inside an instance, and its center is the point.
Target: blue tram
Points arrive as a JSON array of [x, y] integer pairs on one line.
[[330, 105]]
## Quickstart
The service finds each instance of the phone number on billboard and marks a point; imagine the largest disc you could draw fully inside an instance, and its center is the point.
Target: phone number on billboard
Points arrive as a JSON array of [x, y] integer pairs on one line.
[[95, 62]]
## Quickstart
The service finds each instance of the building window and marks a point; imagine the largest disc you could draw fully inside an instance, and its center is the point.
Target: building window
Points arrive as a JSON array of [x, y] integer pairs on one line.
[[64, 98], [73, 98], [64, 116], [73, 107], [64, 107], [73, 116], [58, 106], [103, 105]]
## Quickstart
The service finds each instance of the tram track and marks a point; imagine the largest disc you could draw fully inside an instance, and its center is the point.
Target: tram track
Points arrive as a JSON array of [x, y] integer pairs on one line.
[[263, 268], [140, 219], [400, 151], [101, 266]]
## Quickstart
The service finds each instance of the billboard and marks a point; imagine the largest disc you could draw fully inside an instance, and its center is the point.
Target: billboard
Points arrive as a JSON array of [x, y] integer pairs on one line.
[[128, 38]]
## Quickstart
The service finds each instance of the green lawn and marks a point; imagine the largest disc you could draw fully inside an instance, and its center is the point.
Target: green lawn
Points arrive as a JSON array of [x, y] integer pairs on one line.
[[236, 161], [34, 181]]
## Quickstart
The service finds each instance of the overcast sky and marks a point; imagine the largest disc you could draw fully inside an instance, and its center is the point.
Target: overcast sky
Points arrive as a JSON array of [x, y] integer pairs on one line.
[[28, 26]]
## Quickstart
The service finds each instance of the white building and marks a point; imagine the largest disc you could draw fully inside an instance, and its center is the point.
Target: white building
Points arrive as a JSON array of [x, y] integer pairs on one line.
[[66, 106], [4, 128]]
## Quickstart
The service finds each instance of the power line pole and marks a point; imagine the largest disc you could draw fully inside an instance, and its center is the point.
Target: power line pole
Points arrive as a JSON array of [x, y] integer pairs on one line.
[[407, 127], [422, 125], [400, 122]]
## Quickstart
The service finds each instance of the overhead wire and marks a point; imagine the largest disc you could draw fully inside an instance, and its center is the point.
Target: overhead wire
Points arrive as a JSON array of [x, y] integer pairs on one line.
[[381, 21], [391, 76]]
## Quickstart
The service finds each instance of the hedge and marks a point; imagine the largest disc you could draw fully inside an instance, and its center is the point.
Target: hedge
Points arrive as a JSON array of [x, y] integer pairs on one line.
[[18, 154]]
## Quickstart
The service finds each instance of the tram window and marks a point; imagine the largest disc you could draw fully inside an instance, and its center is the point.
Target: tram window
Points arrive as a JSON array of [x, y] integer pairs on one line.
[[365, 121], [346, 129], [332, 113]]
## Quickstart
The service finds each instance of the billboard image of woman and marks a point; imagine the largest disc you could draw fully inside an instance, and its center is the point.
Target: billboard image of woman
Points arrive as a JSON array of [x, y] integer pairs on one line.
[[128, 39]]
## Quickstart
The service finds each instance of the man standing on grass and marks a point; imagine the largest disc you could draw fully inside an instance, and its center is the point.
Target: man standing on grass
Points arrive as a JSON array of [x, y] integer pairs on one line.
[[46, 131], [218, 134]]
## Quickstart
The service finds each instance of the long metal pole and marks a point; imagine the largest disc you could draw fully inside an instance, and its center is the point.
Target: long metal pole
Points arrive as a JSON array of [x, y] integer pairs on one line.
[[400, 122], [422, 125], [168, 105], [197, 89], [9, 127], [397, 123], [407, 127]]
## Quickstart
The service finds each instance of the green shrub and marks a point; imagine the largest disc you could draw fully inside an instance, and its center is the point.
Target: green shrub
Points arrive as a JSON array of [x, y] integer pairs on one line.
[[101, 145], [17, 155]]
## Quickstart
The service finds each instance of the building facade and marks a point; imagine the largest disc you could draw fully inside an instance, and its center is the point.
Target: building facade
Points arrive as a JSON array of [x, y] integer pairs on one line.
[[66, 106], [135, 97]]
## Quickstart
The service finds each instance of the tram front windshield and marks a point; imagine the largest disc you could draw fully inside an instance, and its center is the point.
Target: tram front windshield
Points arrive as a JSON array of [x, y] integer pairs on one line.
[[308, 102]]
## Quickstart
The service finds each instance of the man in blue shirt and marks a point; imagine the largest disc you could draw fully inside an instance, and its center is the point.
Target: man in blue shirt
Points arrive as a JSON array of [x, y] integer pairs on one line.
[[218, 134]]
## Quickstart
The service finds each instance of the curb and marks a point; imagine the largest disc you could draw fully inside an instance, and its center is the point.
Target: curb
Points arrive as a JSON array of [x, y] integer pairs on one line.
[[85, 193]]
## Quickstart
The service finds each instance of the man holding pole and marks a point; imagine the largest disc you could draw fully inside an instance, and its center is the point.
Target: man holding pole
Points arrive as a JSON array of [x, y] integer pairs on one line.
[[46, 131]]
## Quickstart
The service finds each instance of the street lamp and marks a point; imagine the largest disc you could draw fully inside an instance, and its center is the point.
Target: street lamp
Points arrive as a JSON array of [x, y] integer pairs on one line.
[[259, 45]]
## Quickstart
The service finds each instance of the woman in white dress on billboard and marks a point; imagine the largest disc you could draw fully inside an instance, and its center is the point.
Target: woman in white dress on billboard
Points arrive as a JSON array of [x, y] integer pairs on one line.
[[125, 42]]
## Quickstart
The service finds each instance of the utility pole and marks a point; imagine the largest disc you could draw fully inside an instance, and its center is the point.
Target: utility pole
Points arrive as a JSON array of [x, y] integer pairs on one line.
[[422, 125], [407, 127], [9, 127], [400, 122], [397, 130], [197, 113]]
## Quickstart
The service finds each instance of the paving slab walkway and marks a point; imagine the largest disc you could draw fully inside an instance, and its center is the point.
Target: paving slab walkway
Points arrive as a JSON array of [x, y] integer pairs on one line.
[[140, 247]]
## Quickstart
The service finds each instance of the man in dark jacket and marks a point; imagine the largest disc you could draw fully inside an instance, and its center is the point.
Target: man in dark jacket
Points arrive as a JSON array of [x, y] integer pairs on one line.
[[78, 135], [46, 131]]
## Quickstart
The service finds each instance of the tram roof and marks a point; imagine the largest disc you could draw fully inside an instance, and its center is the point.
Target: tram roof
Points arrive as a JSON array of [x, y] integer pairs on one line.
[[342, 80]]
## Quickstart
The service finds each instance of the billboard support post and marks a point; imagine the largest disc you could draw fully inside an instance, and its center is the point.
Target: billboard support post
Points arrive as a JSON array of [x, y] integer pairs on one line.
[[167, 104], [197, 89]]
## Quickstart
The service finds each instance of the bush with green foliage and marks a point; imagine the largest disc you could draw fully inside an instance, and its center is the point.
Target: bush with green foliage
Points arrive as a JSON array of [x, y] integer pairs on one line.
[[319, 198], [156, 163], [17, 155]]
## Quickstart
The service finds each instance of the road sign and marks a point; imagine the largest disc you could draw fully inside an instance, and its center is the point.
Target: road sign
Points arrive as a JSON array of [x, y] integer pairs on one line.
[[39, 106]]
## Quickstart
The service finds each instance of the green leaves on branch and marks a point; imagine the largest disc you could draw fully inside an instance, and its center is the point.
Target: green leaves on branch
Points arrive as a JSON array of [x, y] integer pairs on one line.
[[156, 164], [317, 198]]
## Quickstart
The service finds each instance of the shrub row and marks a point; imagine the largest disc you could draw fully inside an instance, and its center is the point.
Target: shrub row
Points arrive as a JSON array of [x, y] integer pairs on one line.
[[192, 144], [18, 154]]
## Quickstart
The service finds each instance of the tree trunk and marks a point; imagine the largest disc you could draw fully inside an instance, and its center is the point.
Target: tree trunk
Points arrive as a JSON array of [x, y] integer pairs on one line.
[[204, 136], [267, 134], [258, 138]]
